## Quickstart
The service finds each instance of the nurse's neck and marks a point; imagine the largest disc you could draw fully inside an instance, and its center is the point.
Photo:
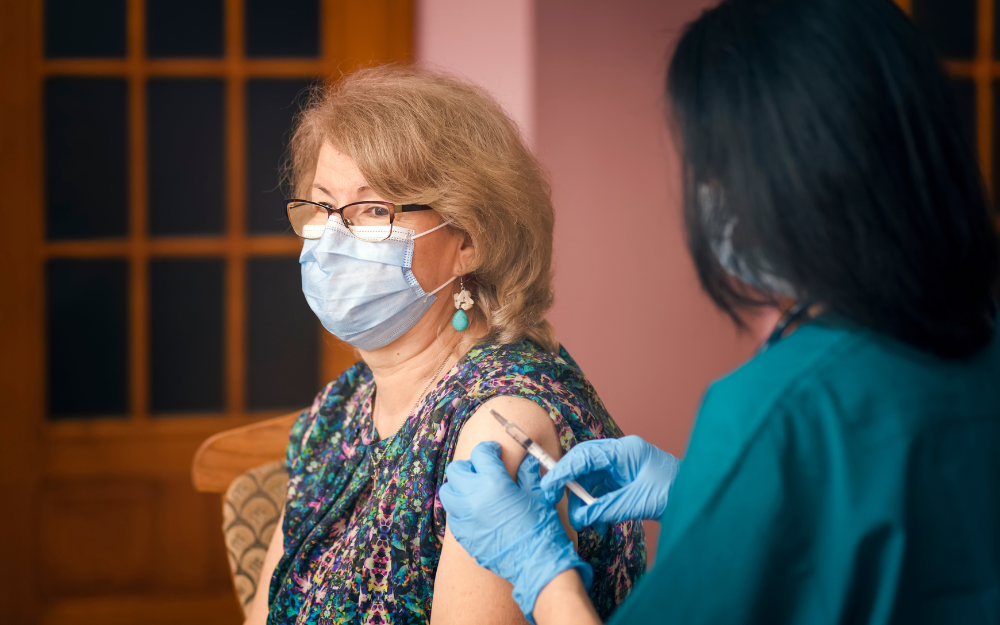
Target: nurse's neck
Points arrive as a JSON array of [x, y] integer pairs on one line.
[[413, 362], [786, 307]]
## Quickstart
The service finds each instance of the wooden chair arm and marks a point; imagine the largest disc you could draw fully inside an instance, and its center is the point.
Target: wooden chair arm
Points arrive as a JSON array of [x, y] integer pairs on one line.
[[229, 454]]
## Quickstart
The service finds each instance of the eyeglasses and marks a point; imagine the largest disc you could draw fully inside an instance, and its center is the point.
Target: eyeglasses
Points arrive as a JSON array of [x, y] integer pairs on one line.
[[368, 221]]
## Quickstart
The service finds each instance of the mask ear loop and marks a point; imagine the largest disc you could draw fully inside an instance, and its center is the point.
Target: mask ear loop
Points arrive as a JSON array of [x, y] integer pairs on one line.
[[453, 278], [438, 227]]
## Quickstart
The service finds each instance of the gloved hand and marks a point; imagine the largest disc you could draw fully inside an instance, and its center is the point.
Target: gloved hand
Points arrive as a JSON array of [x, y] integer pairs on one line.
[[511, 529], [629, 477]]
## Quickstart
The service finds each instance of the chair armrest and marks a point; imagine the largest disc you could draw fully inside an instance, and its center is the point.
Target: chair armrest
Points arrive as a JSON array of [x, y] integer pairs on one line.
[[227, 455]]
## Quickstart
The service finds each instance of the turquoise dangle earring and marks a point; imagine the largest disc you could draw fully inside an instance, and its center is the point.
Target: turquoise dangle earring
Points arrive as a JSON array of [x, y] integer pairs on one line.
[[463, 302]]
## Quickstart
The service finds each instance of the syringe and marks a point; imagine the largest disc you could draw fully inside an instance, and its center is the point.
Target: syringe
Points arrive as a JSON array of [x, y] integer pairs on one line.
[[535, 450]]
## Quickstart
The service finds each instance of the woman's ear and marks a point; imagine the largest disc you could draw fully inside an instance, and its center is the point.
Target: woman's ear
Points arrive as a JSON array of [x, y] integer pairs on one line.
[[466, 257]]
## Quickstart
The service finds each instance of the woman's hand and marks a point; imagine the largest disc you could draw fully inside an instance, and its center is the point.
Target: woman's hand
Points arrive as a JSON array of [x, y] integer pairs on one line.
[[630, 478], [512, 529]]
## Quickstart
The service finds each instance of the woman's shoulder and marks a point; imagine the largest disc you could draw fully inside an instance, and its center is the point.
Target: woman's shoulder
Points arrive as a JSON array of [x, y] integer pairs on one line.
[[526, 368], [552, 379], [524, 358]]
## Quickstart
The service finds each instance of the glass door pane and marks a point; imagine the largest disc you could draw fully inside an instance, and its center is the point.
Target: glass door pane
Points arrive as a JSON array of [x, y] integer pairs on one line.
[[87, 312]]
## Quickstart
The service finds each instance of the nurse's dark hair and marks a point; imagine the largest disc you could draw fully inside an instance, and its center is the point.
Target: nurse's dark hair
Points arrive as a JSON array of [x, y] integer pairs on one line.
[[828, 131]]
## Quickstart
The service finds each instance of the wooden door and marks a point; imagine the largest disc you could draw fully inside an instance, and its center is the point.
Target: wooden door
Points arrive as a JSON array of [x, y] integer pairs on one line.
[[148, 289]]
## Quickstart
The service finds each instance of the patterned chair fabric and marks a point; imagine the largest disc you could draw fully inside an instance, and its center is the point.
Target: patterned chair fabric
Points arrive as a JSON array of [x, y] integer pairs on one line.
[[250, 512]]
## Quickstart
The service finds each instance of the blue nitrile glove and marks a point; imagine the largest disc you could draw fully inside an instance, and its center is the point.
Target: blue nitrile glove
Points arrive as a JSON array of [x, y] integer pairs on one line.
[[511, 529], [629, 477]]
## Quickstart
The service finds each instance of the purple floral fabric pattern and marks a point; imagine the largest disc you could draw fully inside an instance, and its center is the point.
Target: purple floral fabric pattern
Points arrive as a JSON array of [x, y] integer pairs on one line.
[[364, 549]]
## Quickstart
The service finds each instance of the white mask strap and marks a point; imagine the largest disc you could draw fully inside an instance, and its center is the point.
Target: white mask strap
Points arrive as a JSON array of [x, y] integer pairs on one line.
[[438, 227], [453, 278]]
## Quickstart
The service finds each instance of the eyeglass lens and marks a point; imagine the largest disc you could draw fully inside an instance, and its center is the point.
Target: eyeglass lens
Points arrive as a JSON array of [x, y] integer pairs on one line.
[[368, 221], [308, 220]]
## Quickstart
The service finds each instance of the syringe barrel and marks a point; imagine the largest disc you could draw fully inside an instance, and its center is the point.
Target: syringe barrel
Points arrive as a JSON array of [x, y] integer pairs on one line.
[[581, 492], [541, 456], [549, 463]]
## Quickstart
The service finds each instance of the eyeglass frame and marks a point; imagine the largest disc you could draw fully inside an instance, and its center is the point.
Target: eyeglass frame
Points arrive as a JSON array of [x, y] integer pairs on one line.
[[330, 210]]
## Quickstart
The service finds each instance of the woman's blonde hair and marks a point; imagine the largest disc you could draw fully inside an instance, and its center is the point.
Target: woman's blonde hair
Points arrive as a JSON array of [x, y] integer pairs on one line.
[[421, 137]]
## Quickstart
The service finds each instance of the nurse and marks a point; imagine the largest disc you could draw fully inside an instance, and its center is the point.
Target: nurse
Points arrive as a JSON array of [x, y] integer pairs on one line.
[[849, 472]]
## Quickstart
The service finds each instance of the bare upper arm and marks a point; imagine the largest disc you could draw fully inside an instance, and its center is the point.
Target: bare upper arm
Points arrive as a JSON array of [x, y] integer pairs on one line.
[[464, 592]]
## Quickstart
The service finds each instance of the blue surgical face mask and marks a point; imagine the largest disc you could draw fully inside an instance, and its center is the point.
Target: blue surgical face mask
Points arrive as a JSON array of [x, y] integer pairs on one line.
[[364, 293]]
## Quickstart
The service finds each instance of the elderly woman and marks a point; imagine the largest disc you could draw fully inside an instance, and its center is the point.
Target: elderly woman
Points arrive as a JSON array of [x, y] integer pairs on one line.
[[428, 243]]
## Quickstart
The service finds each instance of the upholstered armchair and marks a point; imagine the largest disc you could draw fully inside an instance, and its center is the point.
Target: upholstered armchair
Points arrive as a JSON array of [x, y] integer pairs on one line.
[[247, 466]]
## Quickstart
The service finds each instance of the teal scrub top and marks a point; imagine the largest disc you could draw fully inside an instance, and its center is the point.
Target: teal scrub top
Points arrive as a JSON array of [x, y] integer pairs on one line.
[[837, 477]]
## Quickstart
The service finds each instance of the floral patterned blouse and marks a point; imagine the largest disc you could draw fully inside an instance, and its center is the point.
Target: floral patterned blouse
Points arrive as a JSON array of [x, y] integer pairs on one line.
[[359, 550]]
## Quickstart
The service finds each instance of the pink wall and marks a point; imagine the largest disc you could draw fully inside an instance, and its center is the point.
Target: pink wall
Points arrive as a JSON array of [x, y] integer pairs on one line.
[[491, 42], [628, 303]]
